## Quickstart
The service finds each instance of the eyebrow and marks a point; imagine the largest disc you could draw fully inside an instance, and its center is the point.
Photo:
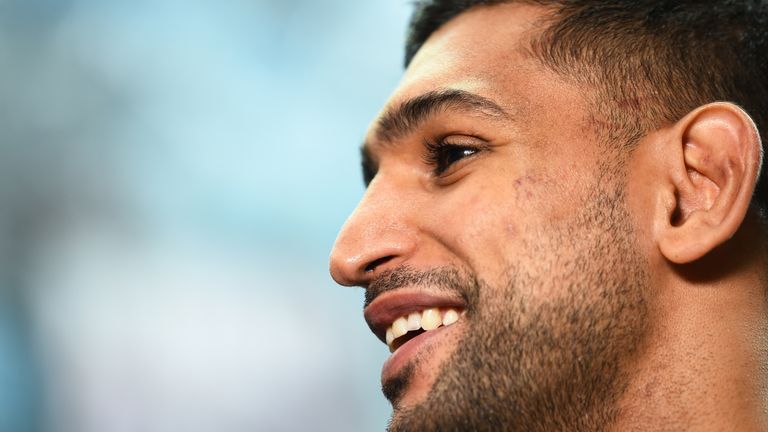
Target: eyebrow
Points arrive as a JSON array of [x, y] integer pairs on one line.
[[405, 118], [397, 122]]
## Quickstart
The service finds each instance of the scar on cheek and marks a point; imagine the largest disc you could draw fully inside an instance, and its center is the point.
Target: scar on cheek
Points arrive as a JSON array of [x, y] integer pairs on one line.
[[527, 179], [523, 186]]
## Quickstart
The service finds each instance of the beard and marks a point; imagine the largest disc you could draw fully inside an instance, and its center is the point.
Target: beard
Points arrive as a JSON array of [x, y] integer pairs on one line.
[[547, 349]]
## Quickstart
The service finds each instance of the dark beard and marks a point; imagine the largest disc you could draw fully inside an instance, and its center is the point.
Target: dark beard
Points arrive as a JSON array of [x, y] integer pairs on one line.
[[555, 361]]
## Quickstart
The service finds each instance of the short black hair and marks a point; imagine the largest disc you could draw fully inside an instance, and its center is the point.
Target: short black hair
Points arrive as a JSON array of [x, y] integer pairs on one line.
[[651, 62]]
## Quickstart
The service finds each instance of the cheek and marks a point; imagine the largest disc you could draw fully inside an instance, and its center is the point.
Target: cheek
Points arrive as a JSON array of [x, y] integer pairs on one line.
[[483, 223]]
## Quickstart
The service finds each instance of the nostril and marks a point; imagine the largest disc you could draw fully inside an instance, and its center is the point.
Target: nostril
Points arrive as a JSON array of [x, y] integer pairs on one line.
[[375, 263]]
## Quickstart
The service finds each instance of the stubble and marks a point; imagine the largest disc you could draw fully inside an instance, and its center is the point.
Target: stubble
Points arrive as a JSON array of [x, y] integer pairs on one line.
[[533, 362]]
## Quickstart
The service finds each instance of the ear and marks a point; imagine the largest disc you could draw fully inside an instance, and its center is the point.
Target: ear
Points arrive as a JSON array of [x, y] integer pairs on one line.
[[713, 158]]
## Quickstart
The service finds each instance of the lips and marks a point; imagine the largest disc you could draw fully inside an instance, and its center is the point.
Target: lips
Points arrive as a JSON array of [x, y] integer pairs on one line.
[[407, 320], [388, 307]]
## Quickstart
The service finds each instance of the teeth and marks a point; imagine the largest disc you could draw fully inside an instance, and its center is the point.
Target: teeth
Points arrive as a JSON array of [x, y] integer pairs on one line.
[[400, 327], [414, 321], [450, 317], [428, 319]]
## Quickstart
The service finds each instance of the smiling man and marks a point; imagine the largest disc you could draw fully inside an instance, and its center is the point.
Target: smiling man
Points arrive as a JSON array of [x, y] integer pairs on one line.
[[561, 229]]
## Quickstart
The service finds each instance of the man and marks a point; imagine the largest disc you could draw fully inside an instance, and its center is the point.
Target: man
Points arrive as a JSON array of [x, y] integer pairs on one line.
[[560, 229]]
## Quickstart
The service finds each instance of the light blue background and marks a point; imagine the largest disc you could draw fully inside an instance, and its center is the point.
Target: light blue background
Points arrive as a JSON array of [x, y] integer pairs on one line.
[[172, 178]]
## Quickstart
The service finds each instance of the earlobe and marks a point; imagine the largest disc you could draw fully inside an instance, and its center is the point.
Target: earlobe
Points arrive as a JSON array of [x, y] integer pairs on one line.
[[714, 159]]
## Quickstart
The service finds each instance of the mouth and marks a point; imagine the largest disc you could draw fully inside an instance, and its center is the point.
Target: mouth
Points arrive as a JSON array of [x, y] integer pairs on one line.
[[408, 322], [414, 324]]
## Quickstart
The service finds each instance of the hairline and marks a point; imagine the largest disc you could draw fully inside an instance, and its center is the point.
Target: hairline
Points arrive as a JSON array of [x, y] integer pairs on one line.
[[576, 72]]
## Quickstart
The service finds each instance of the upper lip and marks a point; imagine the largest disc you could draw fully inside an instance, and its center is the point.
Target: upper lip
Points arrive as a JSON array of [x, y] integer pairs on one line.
[[392, 305]]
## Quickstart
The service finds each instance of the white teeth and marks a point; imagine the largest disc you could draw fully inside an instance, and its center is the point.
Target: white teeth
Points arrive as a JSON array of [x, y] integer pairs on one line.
[[414, 321], [400, 327], [450, 317], [430, 319]]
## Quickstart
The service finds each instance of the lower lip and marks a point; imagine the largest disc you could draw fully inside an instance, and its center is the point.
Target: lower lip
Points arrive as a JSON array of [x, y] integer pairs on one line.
[[408, 351]]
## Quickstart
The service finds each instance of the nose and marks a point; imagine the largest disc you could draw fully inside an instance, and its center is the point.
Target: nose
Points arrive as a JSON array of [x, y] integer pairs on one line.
[[377, 236]]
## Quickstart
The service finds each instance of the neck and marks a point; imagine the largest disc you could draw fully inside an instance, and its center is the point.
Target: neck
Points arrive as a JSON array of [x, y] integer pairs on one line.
[[703, 367]]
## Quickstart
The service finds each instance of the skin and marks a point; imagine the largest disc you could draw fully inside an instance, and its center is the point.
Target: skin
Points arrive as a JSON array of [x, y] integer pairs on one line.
[[654, 254]]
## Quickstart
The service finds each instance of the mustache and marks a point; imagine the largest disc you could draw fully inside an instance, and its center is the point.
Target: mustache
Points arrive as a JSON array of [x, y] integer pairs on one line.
[[445, 279]]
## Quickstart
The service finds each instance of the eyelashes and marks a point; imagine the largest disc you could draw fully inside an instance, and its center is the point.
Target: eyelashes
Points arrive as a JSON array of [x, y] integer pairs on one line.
[[442, 155], [368, 165]]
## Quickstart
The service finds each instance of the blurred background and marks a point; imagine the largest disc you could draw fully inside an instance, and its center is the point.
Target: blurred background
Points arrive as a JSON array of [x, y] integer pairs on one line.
[[172, 177]]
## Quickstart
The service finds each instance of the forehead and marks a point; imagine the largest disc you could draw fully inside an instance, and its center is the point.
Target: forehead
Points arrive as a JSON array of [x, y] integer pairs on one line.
[[482, 51]]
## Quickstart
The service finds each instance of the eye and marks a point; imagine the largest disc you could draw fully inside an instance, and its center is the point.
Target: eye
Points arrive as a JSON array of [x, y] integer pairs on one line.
[[368, 165], [442, 155]]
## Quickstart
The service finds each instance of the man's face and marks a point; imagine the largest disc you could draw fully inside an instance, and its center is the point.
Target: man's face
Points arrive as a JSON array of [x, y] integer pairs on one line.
[[493, 197]]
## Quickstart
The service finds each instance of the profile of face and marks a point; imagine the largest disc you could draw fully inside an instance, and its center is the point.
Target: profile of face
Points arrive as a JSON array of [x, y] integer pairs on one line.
[[498, 240]]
